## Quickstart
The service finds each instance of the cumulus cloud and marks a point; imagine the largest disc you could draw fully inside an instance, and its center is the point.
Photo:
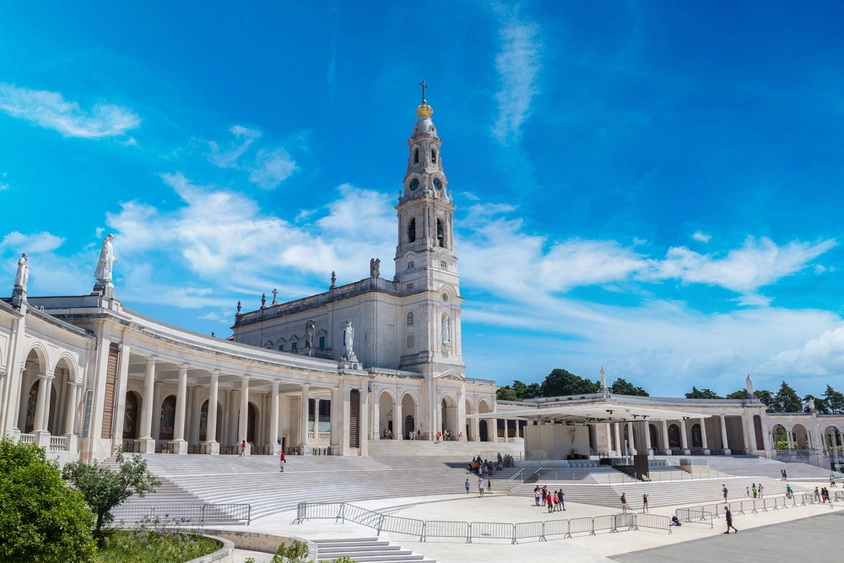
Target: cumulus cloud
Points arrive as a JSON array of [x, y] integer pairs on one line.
[[268, 169], [31, 244], [271, 168], [820, 356], [518, 66], [51, 110], [702, 237]]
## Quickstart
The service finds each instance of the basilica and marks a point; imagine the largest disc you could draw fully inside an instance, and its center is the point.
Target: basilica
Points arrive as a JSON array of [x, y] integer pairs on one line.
[[333, 373]]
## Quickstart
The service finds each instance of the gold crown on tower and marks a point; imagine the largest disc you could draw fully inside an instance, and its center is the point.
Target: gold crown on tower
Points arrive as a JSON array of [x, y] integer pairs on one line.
[[424, 110]]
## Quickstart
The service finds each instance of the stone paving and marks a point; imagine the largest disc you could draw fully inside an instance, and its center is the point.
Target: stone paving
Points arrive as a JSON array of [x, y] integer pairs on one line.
[[580, 549]]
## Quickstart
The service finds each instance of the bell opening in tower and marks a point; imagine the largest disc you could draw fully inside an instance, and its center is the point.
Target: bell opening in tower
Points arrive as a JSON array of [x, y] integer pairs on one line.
[[440, 236], [411, 230]]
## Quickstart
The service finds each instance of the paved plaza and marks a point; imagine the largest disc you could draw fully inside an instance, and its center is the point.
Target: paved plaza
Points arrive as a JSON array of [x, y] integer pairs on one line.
[[803, 526]]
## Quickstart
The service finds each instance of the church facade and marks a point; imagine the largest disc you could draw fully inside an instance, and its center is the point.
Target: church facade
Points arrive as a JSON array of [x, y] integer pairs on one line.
[[331, 373]]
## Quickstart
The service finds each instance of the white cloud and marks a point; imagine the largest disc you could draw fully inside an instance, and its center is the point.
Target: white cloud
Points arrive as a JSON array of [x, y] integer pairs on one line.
[[212, 316], [228, 158], [271, 168], [702, 237], [518, 66], [4, 187], [31, 244], [50, 110], [818, 357]]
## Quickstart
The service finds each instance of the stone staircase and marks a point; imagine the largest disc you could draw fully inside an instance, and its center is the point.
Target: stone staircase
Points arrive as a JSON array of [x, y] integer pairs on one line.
[[367, 550], [451, 450], [751, 465], [256, 480]]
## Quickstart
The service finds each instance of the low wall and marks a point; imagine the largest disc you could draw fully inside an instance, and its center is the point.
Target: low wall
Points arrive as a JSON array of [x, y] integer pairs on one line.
[[223, 555], [265, 543]]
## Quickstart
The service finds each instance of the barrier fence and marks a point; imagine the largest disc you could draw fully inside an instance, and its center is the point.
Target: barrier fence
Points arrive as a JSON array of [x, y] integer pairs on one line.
[[197, 513], [469, 531], [754, 506]]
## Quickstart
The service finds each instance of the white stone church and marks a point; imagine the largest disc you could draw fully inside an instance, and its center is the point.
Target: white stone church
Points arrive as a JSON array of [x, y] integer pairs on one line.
[[377, 359]]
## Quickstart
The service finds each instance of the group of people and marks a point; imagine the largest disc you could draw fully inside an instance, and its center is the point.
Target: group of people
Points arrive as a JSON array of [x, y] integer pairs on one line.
[[447, 436], [760, 491], [822, 495], [483, 486], [554, 500], [480, 466]]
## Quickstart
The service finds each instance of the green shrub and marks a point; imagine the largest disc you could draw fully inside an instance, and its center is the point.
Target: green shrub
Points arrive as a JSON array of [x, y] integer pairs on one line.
[[42, 520], [155, 540]]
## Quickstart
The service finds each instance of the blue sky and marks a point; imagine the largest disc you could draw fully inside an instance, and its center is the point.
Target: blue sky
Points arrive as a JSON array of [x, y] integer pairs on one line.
[[648, 186]]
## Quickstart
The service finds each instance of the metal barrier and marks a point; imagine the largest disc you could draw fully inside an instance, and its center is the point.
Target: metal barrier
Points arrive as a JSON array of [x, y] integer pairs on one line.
[[318, 510], [527, 530], [559, 528], [399, 525], [196, 513], [362, 516], [579, 526], [627, 519], [491, 531], [654, 521], [606, 522], [445, 529], [694, 516]]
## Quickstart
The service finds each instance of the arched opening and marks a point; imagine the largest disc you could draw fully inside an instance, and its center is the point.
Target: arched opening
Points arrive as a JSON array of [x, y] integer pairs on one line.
[[410, 319], [434, 156], [654, 436], [28, 400], [203, 422], [448, 418], [697, 438], [167, 418], [800, 437], [780, 437], [411, 230], [31, 405], [415, 155], [673, 436], [483, 431], [130, 416], [408, 407], [386, 429], [440, 233], [469, 410]]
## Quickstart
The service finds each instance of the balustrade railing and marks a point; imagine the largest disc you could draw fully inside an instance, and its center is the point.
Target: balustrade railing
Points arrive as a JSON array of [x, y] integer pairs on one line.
[[58, 443]]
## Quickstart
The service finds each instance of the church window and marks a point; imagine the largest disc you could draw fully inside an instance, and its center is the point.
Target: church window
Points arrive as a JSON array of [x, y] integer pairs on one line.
[[411, 230], [410, 319], [416, 155], [410, 265], [440, 235], [410, 341], [409, 286], [434, 156], [281, 347], [322, 342], [443, 264], [268, 345], [294, 345]]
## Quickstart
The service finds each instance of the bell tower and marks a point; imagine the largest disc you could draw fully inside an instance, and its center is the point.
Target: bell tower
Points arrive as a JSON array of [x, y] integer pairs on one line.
[[425, 256]]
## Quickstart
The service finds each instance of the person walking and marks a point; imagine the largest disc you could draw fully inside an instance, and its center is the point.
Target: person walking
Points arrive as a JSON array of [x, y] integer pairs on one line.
[[624, 503], [724, 490], [817, 494], [467, 486], [788, 491], [644, 503], [761, 490], [549, 501], [754, 489], [729, 516], [832, 481], [281, 461], [243, 448], [481, 486]]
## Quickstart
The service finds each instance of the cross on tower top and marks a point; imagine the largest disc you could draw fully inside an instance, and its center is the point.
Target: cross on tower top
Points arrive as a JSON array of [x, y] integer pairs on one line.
[[424, 87]]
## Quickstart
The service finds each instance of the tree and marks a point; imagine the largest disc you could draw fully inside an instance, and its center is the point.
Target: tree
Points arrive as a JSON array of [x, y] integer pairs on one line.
[[42, 519], [562, 382], [767, 399], [834, 400], [105, 489], [702, 394], [506, 393], [740, 394], [820, 404], [622, 387], [787, 399]]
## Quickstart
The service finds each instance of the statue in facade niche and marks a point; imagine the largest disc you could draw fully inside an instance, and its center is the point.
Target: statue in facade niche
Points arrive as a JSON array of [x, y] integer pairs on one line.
[[106, 261], [310, 328], [22, 275], [446, 340], [375, 267], [748, 382], [349, 342]]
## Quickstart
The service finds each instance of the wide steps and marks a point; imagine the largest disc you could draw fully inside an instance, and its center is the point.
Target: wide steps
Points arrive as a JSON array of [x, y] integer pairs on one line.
[[367, 550]]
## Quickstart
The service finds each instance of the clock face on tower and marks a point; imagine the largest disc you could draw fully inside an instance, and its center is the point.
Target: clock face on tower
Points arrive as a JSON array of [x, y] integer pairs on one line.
[[438, 184], [414, 184]]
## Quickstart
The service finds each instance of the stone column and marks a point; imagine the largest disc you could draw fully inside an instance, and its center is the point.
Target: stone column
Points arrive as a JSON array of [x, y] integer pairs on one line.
[[70, 407], [274, 445], [120, 390], [365, 416], [684, 440], [304, 446], [398, 423], [518, 429], [724, 441], [631, 441], [619, 447], [178, 445], [375, 421], [336, 447], [211, 446], [157, 399], [42, 406], [243, 424], [703, 440], [146, 442], [648, 445], [476, 429], [665, 441]]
